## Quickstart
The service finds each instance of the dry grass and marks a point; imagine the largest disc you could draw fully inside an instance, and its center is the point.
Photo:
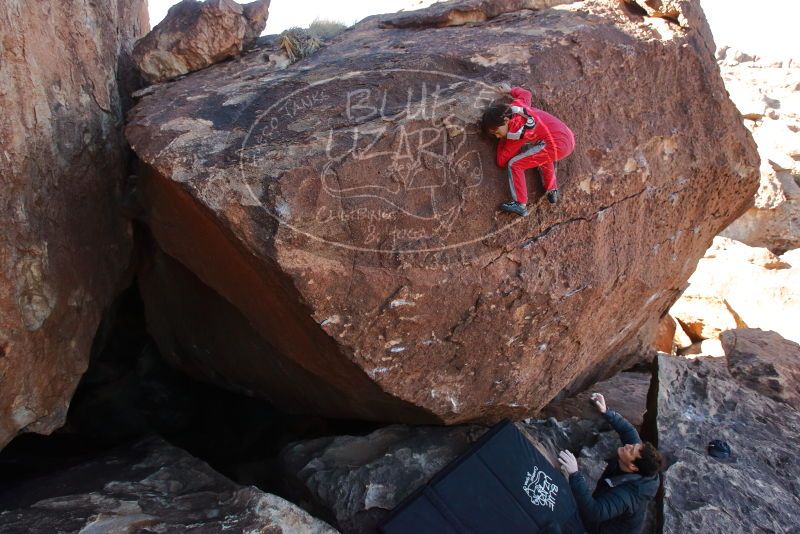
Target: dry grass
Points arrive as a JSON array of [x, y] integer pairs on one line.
[[299, 43], [326, 29]]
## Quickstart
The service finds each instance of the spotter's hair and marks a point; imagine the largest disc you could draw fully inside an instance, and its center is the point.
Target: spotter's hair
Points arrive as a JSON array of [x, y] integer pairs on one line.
[[650, 460]]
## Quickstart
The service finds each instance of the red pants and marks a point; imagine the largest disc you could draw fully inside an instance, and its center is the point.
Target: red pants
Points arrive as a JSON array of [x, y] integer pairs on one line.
[[528, 158]]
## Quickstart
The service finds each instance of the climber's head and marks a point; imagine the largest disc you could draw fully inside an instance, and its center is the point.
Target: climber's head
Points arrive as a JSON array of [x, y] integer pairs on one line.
[[495, 120]]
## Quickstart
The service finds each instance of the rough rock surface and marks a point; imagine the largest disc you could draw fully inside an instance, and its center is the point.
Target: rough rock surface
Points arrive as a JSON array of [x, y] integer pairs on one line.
[[64, 247], [736, 286], [766, 92], [355, 481], [668, 9], [765, 362], [757, 490], [666, 334], [626, 392], [593, 458], [351, 222], [460, 12], [195, 35], [149, 487]]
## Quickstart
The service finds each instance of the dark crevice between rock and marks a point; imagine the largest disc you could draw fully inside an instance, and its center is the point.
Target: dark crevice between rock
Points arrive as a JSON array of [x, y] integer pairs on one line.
[[649, 432], [633, 8], [130, 391]]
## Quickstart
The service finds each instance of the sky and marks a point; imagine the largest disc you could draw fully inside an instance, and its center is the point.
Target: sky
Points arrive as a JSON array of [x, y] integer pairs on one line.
[[760, 27], [284, 14], [764, 27]]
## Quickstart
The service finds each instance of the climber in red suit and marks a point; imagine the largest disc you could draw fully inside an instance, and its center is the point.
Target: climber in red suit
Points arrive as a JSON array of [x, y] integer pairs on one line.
[[529, 137]]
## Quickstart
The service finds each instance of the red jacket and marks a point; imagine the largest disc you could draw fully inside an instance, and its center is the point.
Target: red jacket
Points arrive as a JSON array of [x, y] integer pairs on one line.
[[558, 138]]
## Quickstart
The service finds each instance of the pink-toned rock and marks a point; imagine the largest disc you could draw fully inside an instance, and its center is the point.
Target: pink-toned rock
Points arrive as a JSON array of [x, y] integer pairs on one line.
[[765, 362], [350, 224], [665, 335], [195, 35], [65, 72]]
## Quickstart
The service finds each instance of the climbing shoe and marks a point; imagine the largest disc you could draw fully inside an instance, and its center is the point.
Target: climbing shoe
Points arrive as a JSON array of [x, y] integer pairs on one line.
[[552, 196], [514, 207]]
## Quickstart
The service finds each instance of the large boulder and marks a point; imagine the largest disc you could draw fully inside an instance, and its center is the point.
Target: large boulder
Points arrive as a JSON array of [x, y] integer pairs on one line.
[[765, 362], [342, 213], [753, 491], [195, 35], [64, 247], [150, 486]]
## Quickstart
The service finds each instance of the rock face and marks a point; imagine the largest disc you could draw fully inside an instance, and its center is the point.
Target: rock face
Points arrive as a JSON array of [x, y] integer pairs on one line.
[[765, 362], [765, 91], [719, 299], [343, 211], [150, 487], [756, 490], [460, 12], [665, 335], [63, 246], [358, 480], [195, 35], [626, 392]]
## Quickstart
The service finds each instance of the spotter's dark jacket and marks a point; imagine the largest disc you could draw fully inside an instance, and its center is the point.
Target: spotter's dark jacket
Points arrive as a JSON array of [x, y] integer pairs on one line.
[[619, 502]]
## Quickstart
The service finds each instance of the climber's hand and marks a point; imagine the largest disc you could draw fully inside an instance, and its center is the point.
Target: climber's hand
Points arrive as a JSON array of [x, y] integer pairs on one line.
[[599, 402], [504, 88], [569, 464]]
